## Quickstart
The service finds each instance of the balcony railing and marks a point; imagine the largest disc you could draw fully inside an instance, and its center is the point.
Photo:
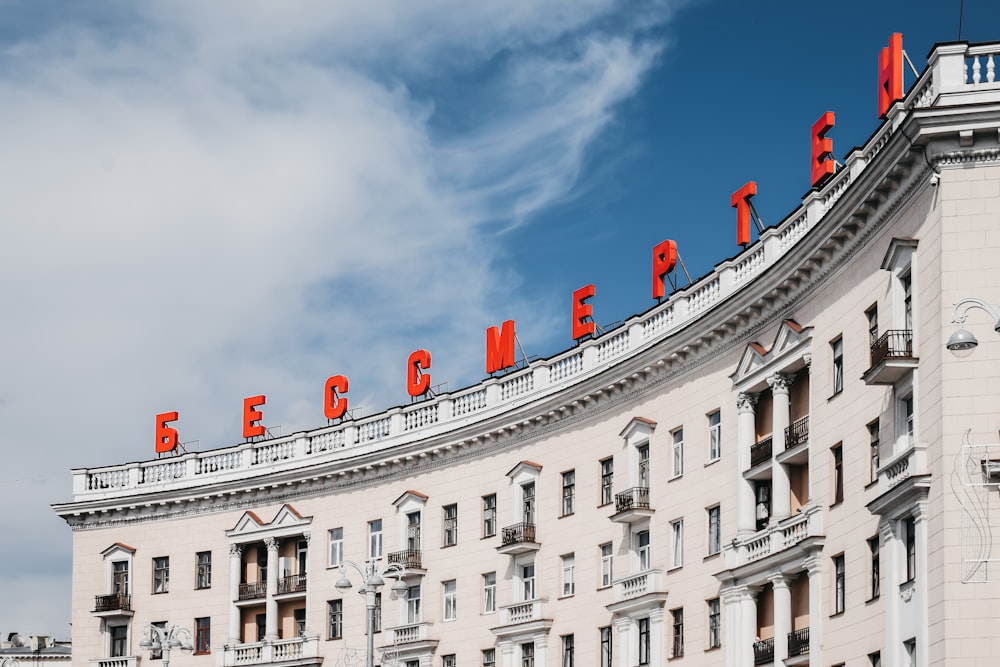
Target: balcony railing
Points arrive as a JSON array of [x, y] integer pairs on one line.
[[522, 612], [121, 661], [763, 651], [113, 602], [637, 585], [760, 452], [893, 344], [517, 534], [797, 433], [298, 649], [775, 538], [407, 634], [408, 558], [900, 467], [293, 583], [798, 642], [253, 590], [635, 498]]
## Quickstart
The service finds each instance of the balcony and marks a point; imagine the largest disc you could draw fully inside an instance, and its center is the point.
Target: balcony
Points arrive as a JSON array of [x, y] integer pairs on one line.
[[409, 634], [797, 434], [298, 650], [408, 558], [121, 661], [760, 451], [798, 642], [911, 462], [518, 539], [632, 504], [407, 641], [776, 538], [114, 604], [292, 583], [891, 358], [522, 618], [763, 651], [256, 590]]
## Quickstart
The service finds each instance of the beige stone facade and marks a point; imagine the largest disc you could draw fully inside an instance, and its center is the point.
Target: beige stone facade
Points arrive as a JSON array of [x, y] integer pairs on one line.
[[771, 466]]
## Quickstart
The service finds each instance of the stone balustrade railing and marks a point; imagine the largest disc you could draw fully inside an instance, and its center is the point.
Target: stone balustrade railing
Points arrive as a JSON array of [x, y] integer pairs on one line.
[[776, 537], [267, 652], [637, 585], [900, 467]]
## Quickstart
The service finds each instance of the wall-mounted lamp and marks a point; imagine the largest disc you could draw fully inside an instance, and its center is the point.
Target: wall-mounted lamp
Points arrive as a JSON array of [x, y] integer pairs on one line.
[[963, 342]]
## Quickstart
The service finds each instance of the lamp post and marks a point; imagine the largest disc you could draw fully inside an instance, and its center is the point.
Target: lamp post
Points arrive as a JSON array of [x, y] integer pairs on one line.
[[371, 577], [156, 638], [8, 662], [963, 342]]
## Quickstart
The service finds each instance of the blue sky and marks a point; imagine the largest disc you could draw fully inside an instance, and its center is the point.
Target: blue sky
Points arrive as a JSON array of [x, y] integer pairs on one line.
[[207, 201]]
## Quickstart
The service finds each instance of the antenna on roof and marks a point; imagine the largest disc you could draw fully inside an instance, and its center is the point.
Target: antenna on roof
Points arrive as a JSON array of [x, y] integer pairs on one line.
[[961, 7]]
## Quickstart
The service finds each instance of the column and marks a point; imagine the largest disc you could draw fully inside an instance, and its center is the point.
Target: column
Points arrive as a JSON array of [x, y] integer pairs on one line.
[[271, 606], [920, 527], [732, 622], [307, 538], [891, 554], [748, 611], [506, 650], [814, 566], [627, 644], [781, 489], [782, 616], [541, 648], [657, 656], [235, 573], [746, 427]]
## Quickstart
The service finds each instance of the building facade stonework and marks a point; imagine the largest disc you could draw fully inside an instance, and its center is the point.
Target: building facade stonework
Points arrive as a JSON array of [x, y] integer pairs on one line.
[[779, 464]]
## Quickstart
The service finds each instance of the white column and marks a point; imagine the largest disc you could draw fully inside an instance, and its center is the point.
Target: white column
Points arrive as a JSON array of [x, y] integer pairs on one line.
[[920, 530], [271, 605], [657, 656], [235, 572], [891, 554], [627, 645], [746, 428], [782, 616], [781, 490], [732, 621], [748, 607], [541, 648], [814, 566], [506, 648]]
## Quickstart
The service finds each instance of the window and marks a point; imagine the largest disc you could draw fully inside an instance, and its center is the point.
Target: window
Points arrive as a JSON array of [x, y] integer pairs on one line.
[[302, 554], [875, 567], [606, 565], [606, 646], [448, 660], [714, 435], [336, 546], [335, 614], [413, 531], [119, 577], [490, 515], [568, 492], [641, 542], [607, 481], [643, 641], [872, 316], [450, 601], [907, 283], [910, 528], [840, 584], [906, 413], [568, 575], [157, 654], [873, 451], [714, 623], [490, 657], [203, 570], [567, 651], [261, 563], [838, 474], [677, 542], [643, 451], [119, 641], [450, 525], [714, 530], [528, 581], [875, 659], [300, 621], [161, 574], [677, 617], [489, 592], [202, 635], [375, 538], [378, 612], [413, 604], [528, 502], [910, 649], [677, 449], [260, 620], [837, 347], [527, 655]]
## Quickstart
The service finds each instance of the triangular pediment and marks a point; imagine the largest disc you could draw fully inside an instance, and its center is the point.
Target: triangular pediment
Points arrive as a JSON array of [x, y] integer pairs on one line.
[[411, 496], [529, 467], [247, 523], [286, 521], [118, 549], [758, 361]]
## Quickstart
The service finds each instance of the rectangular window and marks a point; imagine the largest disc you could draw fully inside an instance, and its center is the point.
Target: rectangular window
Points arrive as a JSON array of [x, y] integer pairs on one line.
[[714, 623], [876, 567], [606, 657], [910, 649], [568, 575], [837, 348], [642, 550], [907, 409], [119, 577], [157, 654], [907, 282], [260, 620], [606, 565], [568, 492], [489, 657], [378, 612], [449, 594], [872, 316], [202, 635], [300, 621], [375, 538], [335, 614], [714, 435], [873, 454], [714, 530], [161, 574], [677, 543], [875, 659], [607, 481], [643, 624], [490, 515], [643, 451], [450, 525], [448, 660], [489, 592], [568, 651], [910, 528], [677, 617], [527, 655], [413, 531], [336, 546], [413, 604], [678, 451], [203, 571], [528, 581], [838, 474], [840, 585], [528, 503], [119, 640]]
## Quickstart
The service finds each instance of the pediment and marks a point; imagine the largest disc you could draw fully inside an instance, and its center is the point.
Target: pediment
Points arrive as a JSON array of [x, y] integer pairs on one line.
[[286, 520], [118, 549], [411, 497], [529, 467], [757, 361], [638, 426]]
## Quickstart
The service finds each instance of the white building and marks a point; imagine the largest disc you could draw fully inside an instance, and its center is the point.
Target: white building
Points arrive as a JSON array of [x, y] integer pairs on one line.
[[771, 466]]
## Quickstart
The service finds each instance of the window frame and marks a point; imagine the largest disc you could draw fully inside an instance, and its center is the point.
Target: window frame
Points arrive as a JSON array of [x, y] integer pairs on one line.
[[489, 515], [714, 530], [449, 600], [910, 548], [335, 541], [677, 452], [335, 619], [568, 493], [839, 584], [413, 609], [568, 575], [568, 650], [489, 657], [449, 523], [161, 575], [607, 564], [714, 435], [489, 580], [643, 552], [874, 455], [837, 352], [875, 568], [202, 635], [376, 543], [203, 570], [677, 632], [643, 636], [677, 543], [606, 646], [714, 623], [607, 480], [837, 452]]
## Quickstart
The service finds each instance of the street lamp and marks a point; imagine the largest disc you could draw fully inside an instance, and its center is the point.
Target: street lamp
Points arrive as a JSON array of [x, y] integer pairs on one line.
[[963, 342], [371, 576], [164, 639], [8, 662]]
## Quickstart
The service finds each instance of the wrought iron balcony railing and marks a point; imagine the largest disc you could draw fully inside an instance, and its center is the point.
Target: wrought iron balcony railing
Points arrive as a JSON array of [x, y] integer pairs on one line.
[[254, 590], [760, 452], [763, 651], [797, 433], [517, 534], [635, 498], [895, 343], [293, 583], [408, 558], [798, 642], [113, 602]]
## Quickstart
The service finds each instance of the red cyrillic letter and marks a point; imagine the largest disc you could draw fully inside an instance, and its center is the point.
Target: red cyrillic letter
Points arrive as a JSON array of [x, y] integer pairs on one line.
[[664, 259], [335, 406], [166, 437], [890, 73], [500, 347], [822, 148], [741, 202], [582, 310], [250, 416], [418, 383]]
